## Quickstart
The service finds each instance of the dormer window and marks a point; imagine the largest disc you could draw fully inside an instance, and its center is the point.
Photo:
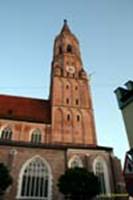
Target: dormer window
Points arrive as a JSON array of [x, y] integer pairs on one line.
[[69, 48]]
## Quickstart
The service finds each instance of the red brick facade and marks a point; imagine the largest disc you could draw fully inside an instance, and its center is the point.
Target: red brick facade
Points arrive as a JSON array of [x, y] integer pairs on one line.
[[65, 123]]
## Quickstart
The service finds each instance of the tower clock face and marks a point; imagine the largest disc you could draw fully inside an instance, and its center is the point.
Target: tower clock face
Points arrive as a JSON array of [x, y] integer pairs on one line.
[[70, 69]]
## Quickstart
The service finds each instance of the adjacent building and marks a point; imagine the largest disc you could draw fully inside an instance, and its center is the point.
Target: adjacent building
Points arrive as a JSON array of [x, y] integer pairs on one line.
[[125, 101], [40, 138]]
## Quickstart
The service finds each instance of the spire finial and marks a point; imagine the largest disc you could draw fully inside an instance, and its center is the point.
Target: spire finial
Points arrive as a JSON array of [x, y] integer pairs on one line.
[[65, 21], [65, 28]]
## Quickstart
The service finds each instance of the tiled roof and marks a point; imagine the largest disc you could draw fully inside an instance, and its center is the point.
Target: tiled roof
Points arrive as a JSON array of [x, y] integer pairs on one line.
[[25, 109]]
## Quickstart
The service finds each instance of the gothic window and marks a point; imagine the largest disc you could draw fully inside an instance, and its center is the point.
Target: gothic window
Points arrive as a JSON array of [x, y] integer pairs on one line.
[[75, 162], [100, 169], [100, 174], [6, 133], [69, 48], [67, 86], [67, 101], [68, 117], [77, 102], [78, 117], [35, 180], [36, 136], [76, 87]]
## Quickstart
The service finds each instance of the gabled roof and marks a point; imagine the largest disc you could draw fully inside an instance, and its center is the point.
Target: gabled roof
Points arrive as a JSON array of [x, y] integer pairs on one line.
[[25, 109]]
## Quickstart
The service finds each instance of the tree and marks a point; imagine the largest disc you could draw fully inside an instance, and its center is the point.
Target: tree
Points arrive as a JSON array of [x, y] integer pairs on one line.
[[5, 178], [79, 184]]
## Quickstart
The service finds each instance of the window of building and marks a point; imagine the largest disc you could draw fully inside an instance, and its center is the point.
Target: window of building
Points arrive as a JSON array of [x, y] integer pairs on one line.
[[76, 87], [35, 180], [75, 161], [6, 133], [77, 102], [68, 117], [100, 174], [69, 48], [100, 169], [67, 100], [36, 136], [78, 117], [67, 86]]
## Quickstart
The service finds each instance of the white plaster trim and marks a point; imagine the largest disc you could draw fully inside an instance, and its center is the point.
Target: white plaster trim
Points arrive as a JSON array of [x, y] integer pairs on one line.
[[106, 173], [21, 175]]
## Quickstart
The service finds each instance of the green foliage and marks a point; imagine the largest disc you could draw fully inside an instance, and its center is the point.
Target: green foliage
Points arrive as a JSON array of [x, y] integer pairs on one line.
[[5, 178], [79, 184]]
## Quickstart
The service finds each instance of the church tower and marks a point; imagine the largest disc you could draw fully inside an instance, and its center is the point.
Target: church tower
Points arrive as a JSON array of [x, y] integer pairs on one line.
[[40, 139], [72, 113]]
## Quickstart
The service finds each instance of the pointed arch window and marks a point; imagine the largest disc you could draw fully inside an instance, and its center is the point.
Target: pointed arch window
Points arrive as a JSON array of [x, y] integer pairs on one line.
[[67, 86], [69, 48], [75, 162], [67, 100], [35, 180], [36, 136], [78, 118], [6, 134], [77, 101], [76, 87], [100, 174], [68, 117], [100, 169]]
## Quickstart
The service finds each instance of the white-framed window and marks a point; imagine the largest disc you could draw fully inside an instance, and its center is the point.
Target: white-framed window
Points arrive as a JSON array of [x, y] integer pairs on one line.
[[35, 180], [75, 161], [101, 170], [6, 133], [36, 136]]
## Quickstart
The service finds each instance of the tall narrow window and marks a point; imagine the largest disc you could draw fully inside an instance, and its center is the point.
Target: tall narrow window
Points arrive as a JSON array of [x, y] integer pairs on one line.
[[67, 86], [100, 174], [35, 181], [68, 117], [6, 134], [36, 136], [101, 170], [76, 87], [77, 102], [67, 101], [78, 117]]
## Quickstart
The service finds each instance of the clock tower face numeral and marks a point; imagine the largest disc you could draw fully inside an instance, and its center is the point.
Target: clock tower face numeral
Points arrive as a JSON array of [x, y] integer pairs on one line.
[[70, 69]]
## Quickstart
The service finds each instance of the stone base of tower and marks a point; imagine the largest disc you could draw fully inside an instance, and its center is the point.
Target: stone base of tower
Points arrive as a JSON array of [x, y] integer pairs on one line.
[[19, 157]]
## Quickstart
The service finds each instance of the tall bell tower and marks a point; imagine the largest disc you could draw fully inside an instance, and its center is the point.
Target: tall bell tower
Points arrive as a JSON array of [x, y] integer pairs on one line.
[[71, 107]]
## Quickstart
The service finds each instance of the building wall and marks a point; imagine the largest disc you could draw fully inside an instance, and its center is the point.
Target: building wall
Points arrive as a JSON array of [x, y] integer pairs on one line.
[[70, 122], [21, 131], [55, 158], [58, 159], [127, 113]]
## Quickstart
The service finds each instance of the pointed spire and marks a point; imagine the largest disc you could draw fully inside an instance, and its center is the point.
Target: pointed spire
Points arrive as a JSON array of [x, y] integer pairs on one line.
[[65, 28]]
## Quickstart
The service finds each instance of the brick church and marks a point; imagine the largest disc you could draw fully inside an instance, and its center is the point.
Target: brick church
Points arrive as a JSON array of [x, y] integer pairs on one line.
[[40, 138]]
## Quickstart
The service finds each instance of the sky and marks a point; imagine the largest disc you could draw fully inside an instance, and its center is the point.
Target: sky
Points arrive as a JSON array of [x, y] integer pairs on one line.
[[104, 29]]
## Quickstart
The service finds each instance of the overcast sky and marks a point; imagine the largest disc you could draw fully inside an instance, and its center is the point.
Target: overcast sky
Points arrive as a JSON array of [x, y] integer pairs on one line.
[[105, 32]]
